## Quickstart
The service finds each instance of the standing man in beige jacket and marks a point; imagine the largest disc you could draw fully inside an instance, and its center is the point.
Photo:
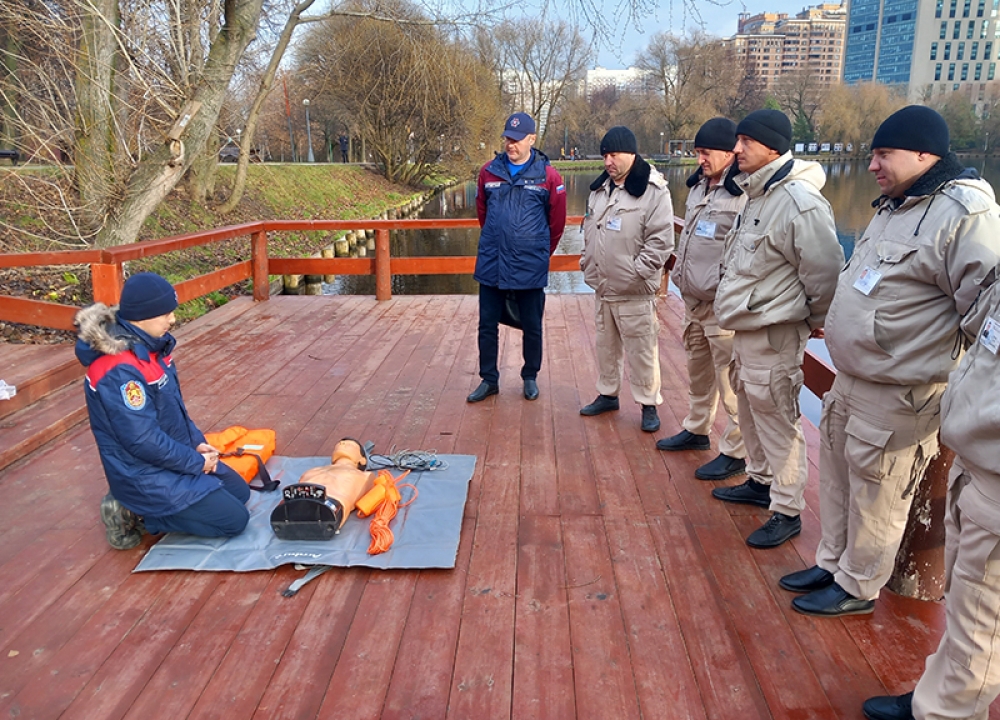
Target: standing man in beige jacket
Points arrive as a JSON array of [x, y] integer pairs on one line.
[[780, 273], [713, 203], [893, 335], [628, 234], [961, 678]]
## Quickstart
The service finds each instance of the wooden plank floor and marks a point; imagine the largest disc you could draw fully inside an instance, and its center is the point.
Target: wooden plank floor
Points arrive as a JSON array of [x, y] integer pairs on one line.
[[596, 578]]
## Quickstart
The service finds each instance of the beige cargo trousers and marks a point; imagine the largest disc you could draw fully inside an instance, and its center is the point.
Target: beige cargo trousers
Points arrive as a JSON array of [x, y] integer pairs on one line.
[[875, 443], [768, 380], [962, 677], [710, 369]]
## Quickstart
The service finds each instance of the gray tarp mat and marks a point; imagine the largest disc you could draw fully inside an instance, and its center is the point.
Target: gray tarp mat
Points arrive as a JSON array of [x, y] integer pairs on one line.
[[426, 531]]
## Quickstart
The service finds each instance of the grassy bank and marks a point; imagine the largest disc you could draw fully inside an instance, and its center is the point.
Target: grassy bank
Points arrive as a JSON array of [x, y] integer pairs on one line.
[[32, 221]]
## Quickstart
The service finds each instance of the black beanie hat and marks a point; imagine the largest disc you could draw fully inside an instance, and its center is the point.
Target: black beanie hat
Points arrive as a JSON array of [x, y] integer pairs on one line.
[[768, 127], [619, 139], [916, 128], [146, 295], [716, 134]]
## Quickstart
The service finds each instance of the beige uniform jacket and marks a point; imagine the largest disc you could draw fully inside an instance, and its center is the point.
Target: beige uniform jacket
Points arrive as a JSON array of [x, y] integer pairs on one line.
[[970, 412], [914, 273], [708, 218], [782, 255], [627, 238]]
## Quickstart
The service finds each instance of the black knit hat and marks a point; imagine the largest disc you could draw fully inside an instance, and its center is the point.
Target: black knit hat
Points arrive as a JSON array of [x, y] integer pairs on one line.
[[619, 139], [716, 134], [768, 127], [916, 128], [146, 295]]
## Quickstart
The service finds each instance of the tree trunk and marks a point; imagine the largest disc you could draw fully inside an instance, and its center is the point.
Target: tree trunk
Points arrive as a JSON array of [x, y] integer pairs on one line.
[[159, 173], [9, 98], [97, 61]]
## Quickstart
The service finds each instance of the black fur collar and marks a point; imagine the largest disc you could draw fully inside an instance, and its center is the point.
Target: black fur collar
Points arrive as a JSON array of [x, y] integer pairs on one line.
[[635, 182], [728, 182], [943, 171]]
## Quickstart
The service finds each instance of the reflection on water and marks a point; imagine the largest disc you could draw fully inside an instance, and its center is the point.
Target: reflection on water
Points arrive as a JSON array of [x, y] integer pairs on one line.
[[850, 188]]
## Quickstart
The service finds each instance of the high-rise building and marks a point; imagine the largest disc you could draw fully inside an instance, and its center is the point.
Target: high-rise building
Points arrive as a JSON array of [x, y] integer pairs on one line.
[[933, 47], [773, 44]]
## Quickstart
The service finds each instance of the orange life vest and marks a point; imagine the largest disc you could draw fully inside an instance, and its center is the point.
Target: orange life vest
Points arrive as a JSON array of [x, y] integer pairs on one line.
[[235, 439]]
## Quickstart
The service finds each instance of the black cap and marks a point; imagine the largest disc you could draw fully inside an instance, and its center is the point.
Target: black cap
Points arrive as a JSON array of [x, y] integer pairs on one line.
[[768, 127], [916, 128], [146, 295], [619, 139], [716, 134]]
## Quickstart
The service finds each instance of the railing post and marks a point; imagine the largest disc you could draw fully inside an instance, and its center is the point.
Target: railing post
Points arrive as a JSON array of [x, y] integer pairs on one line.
[[107, 280], [383, 273], [919, 570], [258, 262]]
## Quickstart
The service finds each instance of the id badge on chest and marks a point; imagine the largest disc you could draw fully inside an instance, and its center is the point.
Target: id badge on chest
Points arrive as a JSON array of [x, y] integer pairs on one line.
[[867, 281], [615, 223], [990, 337], [705, 228]]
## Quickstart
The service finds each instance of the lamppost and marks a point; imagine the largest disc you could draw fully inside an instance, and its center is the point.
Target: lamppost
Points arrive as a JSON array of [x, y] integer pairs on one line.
[[662, 150], [309, 137]]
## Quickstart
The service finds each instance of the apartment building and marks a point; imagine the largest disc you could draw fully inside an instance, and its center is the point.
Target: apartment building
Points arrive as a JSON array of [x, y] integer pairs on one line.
[[773, 44]]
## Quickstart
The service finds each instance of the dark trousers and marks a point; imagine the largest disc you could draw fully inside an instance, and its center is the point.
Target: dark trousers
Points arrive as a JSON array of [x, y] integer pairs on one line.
[[531, 306], [221, 513]]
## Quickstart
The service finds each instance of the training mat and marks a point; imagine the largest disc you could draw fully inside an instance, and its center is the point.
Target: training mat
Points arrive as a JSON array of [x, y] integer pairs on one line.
[[426, 531]]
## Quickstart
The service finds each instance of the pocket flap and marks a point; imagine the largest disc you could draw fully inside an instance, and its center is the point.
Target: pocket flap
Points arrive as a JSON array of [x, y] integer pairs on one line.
[[866, 432], [755, 376], [893, 252]]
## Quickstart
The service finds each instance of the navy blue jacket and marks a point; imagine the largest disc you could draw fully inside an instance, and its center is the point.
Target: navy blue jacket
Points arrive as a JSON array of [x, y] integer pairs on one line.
[[145, 438], [522, 220]]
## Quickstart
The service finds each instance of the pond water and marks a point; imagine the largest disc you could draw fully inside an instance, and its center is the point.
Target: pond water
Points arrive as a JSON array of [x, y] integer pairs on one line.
[[850, 188]]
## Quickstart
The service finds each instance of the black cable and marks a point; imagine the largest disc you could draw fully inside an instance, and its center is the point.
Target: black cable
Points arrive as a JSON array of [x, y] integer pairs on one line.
[[415, 460]]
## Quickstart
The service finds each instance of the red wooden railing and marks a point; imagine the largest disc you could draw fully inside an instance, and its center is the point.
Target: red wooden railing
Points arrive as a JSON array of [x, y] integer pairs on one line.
[[107, 273]]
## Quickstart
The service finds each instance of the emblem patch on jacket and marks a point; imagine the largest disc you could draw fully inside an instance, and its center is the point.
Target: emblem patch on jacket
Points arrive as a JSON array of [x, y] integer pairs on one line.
[[134, 395]]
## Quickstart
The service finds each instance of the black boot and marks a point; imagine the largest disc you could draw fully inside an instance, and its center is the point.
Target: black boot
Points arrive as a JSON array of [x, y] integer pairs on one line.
[[805, 581], [650, 420], [482, 392], [684, 440], [750, 492], [889, 707], [721, 468], [832, 601], [603, 404], [775, 531]]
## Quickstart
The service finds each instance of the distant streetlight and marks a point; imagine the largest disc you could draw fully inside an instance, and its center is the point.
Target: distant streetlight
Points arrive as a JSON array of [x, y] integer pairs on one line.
[[309, 136], [662, 149]]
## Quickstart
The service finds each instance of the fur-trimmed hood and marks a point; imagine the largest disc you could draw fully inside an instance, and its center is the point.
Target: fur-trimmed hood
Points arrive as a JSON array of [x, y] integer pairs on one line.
[[102, 332]]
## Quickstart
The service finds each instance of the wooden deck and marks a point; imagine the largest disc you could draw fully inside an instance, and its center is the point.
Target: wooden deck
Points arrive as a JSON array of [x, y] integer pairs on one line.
[[596, 578]]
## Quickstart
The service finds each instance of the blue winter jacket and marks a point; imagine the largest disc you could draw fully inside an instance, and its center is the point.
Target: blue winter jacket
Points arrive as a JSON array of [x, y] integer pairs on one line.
[[145, 438], [522, 220]]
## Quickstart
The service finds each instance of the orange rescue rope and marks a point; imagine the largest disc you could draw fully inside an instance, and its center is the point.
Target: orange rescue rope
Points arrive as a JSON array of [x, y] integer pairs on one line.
[[383, 499]]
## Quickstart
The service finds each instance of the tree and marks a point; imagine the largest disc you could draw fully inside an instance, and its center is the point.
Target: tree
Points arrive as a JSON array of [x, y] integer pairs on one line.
[[960, 114], [852, 113], [694, 77], [535, 62], [406, 87], [800, 95]]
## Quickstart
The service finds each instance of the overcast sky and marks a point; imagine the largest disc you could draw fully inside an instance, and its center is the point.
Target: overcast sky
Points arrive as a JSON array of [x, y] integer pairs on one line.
[[716, 19]]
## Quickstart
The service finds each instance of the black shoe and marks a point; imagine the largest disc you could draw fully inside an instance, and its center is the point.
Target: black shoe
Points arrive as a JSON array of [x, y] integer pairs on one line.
[[805, 581], [832, 601], [603, 404], [121, 525], [482, 392], [750, 492], [775, 531], [889, 707], [684, 440], [721, 468], [650, 420], [530, 389]]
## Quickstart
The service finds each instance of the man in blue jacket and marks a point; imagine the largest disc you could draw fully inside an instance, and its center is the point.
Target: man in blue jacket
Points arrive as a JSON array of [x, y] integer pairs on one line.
[[162, 474], [521, 202]]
